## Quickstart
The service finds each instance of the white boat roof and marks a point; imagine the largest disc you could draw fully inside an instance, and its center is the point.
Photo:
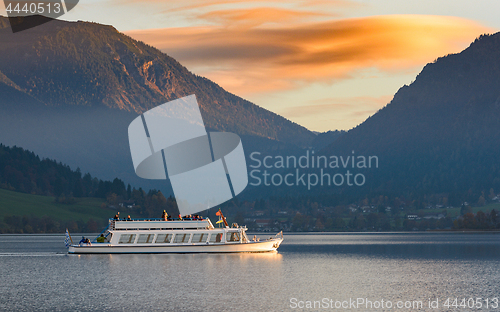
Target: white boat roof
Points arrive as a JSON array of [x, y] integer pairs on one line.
[[160, 224]]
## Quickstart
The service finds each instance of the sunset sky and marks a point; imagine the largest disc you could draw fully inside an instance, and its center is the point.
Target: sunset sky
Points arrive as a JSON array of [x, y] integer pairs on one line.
[[325, 64]]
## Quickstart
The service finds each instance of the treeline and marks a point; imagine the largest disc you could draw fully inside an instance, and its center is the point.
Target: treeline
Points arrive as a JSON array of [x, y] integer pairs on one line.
[[46, 224], [478, 221], [23, 171], [141, 204], [304, 214]]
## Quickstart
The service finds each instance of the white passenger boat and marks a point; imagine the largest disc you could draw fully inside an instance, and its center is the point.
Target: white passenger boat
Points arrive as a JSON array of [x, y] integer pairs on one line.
[[179, 236]]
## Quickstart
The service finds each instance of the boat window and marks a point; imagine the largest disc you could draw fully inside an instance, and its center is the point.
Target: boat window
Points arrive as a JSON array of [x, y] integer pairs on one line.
[[232, 237], [181, 238], [163, 238], [145, 238], [199, 238], [127, 239], [216, 237]]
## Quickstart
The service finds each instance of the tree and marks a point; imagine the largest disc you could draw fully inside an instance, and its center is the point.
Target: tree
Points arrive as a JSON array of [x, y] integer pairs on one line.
[[92, 226], [129, 191], [469, 221], [481, 220], [481, 201], [494, 217]]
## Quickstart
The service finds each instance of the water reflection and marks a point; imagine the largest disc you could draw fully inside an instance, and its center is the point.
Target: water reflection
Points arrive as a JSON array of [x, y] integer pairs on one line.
[[38, 275], [418, 246]]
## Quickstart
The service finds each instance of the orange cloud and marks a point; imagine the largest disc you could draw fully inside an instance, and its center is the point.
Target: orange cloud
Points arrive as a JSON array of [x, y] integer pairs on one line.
[[258, 16], [262, 59], [175, 6], [187, 5], [201, 4]]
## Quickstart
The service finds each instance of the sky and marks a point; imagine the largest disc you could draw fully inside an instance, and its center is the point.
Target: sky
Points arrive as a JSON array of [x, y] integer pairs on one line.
[[324, 64]]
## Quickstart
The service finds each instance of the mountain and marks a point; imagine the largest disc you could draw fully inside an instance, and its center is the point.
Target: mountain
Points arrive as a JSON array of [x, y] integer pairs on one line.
[[87, 64], [70, 90], [440, 134]]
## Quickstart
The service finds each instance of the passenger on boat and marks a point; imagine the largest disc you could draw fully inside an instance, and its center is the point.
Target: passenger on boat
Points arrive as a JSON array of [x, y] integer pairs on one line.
[[84, 240], [129, 218], [117, 216], [101, 239], [180, 217], [164, 215], [218, 238]]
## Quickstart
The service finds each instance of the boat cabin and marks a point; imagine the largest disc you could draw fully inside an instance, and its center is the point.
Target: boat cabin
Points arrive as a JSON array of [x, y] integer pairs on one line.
[[151, 232]]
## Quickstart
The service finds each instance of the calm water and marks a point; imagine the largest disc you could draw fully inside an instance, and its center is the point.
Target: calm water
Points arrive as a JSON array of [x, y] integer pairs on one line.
[[37, 274]]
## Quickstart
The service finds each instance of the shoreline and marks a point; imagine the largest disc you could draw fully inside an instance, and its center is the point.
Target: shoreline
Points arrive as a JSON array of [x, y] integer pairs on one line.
[[468, 231]]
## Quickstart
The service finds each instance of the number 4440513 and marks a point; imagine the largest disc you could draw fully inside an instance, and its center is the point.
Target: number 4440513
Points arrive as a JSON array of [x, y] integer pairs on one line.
[[471, 303], [34, 8]]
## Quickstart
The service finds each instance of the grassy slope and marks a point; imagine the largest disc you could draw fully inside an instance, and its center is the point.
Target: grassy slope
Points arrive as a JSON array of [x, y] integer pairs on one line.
[[487, 208], [20, 204]]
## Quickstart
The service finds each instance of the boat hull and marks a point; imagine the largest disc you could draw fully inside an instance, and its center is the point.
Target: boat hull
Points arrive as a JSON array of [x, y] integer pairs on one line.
[[105, 248]]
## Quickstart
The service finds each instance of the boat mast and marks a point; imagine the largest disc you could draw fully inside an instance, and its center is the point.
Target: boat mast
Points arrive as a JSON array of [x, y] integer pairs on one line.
[[219, 213]]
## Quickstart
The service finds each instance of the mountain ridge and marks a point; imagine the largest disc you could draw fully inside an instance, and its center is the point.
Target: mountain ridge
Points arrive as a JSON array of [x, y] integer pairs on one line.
[[70, 90], [88, 64], [439, 134]]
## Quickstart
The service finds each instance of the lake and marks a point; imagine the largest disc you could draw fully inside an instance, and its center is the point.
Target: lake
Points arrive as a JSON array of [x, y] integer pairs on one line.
[[311, 272]]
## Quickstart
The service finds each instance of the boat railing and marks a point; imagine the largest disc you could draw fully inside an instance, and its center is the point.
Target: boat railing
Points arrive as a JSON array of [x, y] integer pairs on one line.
[[278, 235], [158, 219]]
